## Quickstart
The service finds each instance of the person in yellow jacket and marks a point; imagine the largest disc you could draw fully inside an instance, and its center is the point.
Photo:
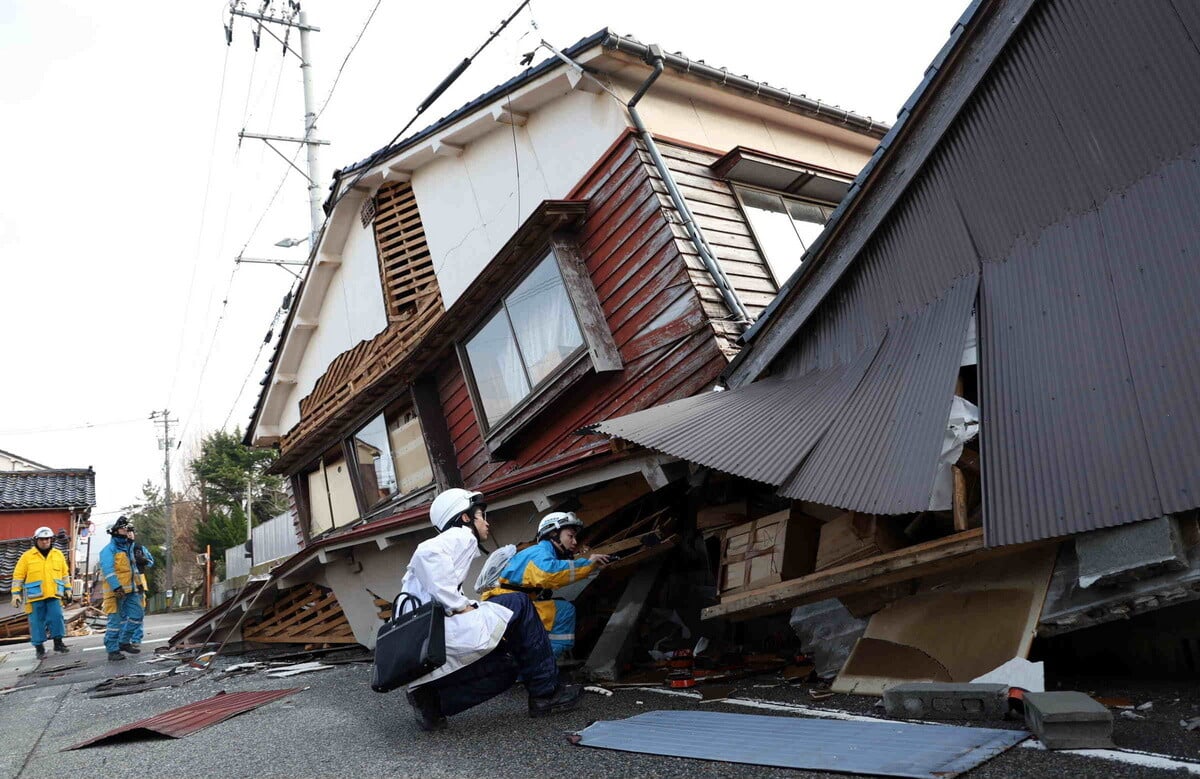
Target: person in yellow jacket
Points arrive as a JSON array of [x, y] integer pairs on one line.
[[546, 566], [41, 582]]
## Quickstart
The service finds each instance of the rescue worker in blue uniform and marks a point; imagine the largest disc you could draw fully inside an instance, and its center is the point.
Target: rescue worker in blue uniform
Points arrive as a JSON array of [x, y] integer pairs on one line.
[[144, 560], [122, 591], [546, 566], [40, 586]]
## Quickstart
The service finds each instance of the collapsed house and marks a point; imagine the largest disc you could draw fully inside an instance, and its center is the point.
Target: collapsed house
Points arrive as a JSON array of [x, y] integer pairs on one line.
[[1018, 260], [585, 240], [965, 419]]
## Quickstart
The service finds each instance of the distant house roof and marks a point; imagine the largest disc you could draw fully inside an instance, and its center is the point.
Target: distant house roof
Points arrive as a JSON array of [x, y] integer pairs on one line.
[[32, 464], [60, 488]]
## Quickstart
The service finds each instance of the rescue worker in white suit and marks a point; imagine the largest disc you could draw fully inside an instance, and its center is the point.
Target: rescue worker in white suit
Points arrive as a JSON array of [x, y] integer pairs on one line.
[[488, 644]]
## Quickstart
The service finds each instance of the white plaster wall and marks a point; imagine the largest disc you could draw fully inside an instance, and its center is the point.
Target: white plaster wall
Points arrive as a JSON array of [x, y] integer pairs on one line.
[[725, 123], [471, 204], [352, 311]]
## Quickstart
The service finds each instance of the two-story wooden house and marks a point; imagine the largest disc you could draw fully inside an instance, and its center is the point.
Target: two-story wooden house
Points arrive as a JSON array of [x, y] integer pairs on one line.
[[585, 240]]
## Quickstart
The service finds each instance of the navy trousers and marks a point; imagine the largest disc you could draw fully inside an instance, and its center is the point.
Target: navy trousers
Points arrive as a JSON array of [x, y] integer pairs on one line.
[[525, 651]]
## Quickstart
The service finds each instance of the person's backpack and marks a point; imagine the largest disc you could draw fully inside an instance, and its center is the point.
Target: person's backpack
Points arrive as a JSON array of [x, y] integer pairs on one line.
[[489, 577]]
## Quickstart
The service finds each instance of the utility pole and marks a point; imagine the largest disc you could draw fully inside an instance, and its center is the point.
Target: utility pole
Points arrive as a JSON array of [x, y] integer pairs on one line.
[[291, 17], [250, 519], [168, 504]]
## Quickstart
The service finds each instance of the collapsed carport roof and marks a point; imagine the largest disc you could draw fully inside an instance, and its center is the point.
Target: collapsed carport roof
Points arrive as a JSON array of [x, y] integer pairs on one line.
[[863, 434]]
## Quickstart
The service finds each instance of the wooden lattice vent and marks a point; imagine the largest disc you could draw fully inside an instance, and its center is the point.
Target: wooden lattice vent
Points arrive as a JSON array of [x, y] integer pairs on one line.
[[305, 614], [357, 377], [405, 267]]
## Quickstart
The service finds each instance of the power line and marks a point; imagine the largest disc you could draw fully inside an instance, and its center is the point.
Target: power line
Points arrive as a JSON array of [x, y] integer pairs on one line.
[[82, 426], [353, 46], [212, 150], [428, 101], [288, 299]]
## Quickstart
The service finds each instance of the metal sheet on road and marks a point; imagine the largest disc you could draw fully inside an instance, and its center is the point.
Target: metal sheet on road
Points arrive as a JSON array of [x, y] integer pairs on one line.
[[881, 748]]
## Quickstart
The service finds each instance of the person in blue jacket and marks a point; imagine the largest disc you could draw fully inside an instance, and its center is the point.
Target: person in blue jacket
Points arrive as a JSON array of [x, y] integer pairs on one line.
[[546, 566], [122, 591], [145, 561]]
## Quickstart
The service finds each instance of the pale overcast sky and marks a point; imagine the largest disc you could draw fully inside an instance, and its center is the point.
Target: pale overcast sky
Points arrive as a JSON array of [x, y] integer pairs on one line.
[[127, 196]]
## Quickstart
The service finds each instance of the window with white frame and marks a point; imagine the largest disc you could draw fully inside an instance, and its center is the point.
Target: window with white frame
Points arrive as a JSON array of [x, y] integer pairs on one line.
[[533, 333], [784, 227]]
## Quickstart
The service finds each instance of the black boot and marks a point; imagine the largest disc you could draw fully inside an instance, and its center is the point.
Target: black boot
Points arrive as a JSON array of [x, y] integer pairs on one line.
[[60, 647], [115, 656], [426, 708], [564, 698], [130, 648], [40, 650]]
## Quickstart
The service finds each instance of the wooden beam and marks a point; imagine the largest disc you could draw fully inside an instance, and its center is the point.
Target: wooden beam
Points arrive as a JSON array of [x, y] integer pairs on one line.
[[443, 460], [908, 563], [961, 520]]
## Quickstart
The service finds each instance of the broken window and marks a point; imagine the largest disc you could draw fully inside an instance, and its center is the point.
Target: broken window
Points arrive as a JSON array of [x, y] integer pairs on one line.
[[524, 343], [784, 227], [331, 500], [391, 458]]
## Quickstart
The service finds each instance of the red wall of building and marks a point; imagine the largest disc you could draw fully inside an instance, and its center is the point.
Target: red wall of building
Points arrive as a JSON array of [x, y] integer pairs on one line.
[[22, 524], [656, 316]]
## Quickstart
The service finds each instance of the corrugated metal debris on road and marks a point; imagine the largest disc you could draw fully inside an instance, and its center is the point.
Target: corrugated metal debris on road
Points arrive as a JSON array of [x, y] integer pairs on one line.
[[879, 748], [185, 720]]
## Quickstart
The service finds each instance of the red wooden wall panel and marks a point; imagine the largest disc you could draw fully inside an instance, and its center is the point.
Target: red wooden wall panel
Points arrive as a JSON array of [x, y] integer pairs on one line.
[[668, 346]]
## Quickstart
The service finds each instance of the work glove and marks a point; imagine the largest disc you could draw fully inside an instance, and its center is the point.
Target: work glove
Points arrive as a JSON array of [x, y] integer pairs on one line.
[[119, 593], [68, 598], [17, 601]]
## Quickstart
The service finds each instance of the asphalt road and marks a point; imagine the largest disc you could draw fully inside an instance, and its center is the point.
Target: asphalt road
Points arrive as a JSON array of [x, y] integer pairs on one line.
[[336, 726]]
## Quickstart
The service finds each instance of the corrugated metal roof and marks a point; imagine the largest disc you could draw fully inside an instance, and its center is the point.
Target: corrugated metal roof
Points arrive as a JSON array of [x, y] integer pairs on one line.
[[61, 488], [1071, 175], [878, 748], [880, 452], [761, 432], [186, 720], [862, 435]]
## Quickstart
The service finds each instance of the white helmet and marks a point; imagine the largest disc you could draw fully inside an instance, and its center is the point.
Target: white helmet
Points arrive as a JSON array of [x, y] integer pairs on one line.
[[43, 532], [451, 504], [555, 521]]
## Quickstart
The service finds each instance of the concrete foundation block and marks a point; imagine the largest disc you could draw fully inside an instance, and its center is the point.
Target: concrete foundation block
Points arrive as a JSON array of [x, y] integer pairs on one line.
[[1131, 552], [1068, 720], [939, 700]]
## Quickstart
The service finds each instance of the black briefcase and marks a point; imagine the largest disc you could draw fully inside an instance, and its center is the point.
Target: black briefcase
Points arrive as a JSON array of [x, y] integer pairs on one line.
[[410, 644]]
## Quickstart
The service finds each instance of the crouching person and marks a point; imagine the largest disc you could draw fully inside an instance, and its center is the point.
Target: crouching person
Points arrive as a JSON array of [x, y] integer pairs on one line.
[[546, 566], [488, 644]]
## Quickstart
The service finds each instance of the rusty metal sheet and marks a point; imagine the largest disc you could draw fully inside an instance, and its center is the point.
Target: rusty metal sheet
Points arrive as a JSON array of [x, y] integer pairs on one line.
[[186, 720]]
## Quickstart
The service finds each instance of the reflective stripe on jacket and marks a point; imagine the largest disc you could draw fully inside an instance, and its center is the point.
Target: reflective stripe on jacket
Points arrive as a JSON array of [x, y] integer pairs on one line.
[[38, 578], [539, 567]]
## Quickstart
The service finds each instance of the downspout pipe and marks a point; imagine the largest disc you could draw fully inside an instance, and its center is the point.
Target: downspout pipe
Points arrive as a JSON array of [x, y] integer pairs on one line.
[[654, 56]]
